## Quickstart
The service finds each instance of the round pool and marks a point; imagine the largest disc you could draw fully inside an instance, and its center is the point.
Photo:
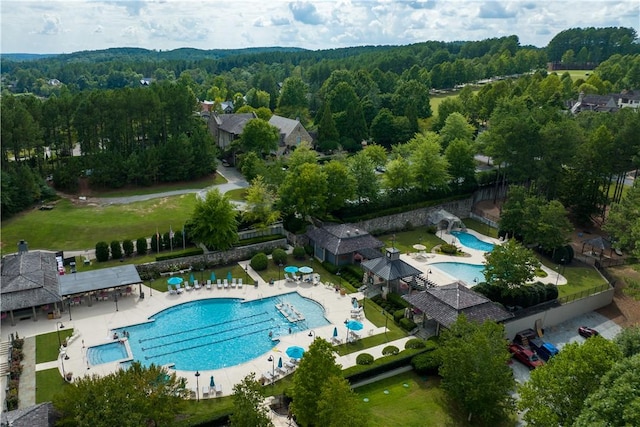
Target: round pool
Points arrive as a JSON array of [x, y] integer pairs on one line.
[[220, 332], [462, 271]]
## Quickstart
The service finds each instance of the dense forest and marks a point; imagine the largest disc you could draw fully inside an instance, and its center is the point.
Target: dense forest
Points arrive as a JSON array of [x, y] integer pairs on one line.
[[129, 133]]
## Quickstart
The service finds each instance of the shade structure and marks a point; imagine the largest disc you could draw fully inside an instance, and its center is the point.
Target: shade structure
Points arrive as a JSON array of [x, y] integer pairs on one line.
[[419, 247], [280, 362], [354, 325], [335, 332], [305, 270], [295, 352], [213, 276], [174, 281], [291, 269], [229, 276], [211, 382]]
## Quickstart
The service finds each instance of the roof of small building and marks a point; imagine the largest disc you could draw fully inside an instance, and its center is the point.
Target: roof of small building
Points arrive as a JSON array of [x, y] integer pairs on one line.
[[285, 125], [89, 281], [446, 303], [343, 238], [390, 269], [233, 123], [40, 415], [29, 279]]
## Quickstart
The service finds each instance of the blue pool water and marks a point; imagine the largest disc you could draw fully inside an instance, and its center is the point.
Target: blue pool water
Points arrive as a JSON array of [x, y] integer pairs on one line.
[[461, 271], [471, 241], [219, 332], [106, 353]]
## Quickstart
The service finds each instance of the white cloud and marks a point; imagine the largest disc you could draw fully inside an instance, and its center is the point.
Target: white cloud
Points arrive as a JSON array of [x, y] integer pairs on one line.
[[52, 25]]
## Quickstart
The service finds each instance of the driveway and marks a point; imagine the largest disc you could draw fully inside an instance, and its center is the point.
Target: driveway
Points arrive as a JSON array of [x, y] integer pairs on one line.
[[567, 332]]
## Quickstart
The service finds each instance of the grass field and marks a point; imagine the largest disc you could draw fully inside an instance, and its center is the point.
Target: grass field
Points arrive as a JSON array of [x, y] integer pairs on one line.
[[72, 227], [161, 188]]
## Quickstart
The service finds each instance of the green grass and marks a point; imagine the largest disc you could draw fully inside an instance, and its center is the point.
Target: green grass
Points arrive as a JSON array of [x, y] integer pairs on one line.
[[422, 403], [579, 279], [576, 74], [47, 345], [71, 227], [49, 383], [404, 240], [196, 184], [481, 227], [238, 195]]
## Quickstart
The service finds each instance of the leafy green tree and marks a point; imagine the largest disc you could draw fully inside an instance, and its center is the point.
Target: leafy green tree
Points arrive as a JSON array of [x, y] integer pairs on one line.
[[137, 396], [341, 184], [628, 340], [383, 129], [116, 249], [398, 176], [304, 190], [428, 165], [102, 251], [259, 136], [248, 407], [260, 204], [293, 99], [362, 169], [328, 135], [377, 154], [448, 106], [316, 367], [475, 371], [623, 223], [456, 127], [304, 154], [214, 221], [553, 228], [141, 246], [462, 166], [616, 402], [556, 393], [127, 247], [510, 265], [339, 406], [251, 165]]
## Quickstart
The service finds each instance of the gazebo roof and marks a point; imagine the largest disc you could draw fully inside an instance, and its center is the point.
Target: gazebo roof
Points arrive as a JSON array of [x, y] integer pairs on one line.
[[446, 303], [29, 279], [343, 239], [390, 269]]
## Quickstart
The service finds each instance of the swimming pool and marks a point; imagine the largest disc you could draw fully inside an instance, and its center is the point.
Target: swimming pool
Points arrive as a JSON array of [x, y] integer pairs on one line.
[[106, 353], [218, 332], [471, 241], [461, 271]]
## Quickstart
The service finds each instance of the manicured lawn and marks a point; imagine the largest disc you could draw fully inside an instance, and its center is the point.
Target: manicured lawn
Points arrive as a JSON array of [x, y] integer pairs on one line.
[[420, 403], [71, 227], [238, 195], [404, 240], [49, 383], [197, 184], [47, 344]]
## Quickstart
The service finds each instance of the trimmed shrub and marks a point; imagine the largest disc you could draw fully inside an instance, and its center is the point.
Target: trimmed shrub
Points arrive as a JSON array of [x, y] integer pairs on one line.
[[551, 292], [116, 250], [155, 245], [364, 359], [415, 343], [259, 261], [449, 249], [426, 363], [279, 256], [102, 251], [141, 246], [390, 350], [299, 253], [398, 315], [18, 343], [180, 254], [127, 247], [17, 354], [397, 301], [407, 324]]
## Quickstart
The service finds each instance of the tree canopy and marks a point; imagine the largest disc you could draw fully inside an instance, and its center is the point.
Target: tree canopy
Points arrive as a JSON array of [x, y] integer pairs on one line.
[[214, 221]]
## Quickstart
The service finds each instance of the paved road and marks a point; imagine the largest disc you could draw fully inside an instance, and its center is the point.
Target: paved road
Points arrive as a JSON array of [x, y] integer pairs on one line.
[[234, 181]]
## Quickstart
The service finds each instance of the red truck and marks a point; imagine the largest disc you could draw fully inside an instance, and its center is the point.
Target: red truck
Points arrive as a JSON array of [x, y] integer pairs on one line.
[[525, 356]]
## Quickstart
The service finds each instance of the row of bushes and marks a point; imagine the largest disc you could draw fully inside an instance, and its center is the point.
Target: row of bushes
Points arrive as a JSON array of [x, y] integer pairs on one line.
[[522, 296], [15, 371], [117, 250], [260, 261]]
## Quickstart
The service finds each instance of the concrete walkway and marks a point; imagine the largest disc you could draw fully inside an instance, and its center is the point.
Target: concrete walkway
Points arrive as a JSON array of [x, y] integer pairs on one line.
[[27, 387]]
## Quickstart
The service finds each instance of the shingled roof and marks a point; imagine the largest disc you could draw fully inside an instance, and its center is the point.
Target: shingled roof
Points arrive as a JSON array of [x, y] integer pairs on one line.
[[343, 239], [40, 415], [233, 123], [445, 303], [28, 280], [390, 269]]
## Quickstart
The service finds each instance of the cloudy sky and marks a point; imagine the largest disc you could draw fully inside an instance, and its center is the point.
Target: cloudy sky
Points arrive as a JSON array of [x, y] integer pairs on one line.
[[63, 26]]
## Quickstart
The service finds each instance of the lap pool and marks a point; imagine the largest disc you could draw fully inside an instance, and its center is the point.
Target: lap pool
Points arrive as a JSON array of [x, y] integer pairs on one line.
[[461, 271], [219, 332]]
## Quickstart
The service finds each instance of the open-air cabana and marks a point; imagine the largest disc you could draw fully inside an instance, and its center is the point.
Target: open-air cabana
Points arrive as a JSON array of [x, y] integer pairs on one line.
[[444, 220]]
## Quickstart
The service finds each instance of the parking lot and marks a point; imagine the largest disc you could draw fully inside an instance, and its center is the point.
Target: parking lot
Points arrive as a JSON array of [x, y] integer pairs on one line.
[[567, 332]]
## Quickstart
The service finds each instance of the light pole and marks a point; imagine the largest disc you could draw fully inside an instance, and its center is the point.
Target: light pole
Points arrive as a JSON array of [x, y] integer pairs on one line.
[[312, 334], [279, 269], [197, 386], [386, 319], [339, 278], [69, 304], [246, 272], [273, 366], [64, 374], [59, 326], [428, 273], [151, 289], [115, 295]]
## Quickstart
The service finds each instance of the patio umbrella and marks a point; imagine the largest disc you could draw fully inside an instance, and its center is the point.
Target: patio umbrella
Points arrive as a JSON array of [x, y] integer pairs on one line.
[[291, 269], [213, 276], [191, 278], [419, 247], [211, 382], [354, 325], [295, 352], [335, 332], [305, 270], [280, 363], [229, 276], [174, 281]]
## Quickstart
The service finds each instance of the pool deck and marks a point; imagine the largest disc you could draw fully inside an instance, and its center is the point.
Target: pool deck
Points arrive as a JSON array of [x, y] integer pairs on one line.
[[93, 325]]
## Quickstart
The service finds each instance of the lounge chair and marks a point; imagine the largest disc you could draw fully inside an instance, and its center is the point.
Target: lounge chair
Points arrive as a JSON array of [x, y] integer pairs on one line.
[[208, 285], [234, 282], [187, 286], [282, 370], [225, 282], [171, 290], [178, 289], [239, 283], [196, 284], [205, 391], [287, 278], [219, 283], [218, 388], [290, 365], [269, 377]]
